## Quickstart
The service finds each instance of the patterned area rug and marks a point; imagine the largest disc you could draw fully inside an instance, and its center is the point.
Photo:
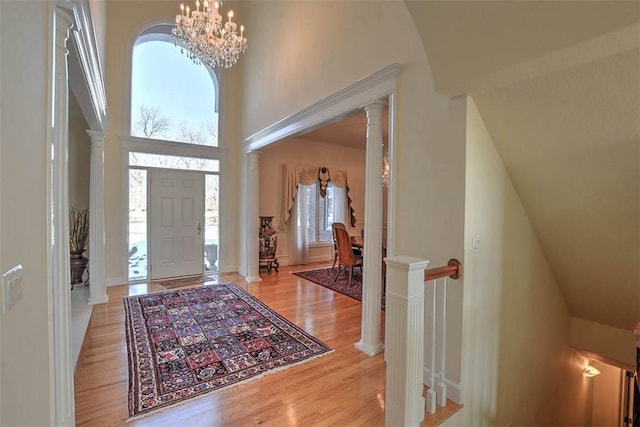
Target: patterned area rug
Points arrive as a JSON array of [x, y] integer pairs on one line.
[[324, 277], [184, 281], [190, 342]]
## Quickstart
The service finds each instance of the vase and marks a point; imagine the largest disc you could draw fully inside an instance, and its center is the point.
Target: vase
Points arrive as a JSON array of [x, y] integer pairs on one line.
[[78, 265], [268, 239]]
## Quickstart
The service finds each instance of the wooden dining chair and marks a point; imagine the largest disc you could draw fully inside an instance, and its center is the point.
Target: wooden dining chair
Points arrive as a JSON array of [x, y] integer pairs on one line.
[[346, 257], [335, 243]]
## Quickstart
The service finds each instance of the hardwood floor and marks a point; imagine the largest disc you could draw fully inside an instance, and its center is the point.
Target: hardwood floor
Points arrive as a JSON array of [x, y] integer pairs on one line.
[[339, 389]]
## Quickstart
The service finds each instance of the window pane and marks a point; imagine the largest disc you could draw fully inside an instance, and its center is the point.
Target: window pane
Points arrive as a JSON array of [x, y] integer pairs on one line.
[[325, 209], [212, 223], [173, 162], [171, 97], [137, 224]]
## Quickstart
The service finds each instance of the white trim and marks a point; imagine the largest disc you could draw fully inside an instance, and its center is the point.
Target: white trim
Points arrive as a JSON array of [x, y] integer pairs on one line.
[[454, 390], [228, 269], [353, 97], [172, 148], [62, 406], [116, 281], [318, 258], [373, 88], [90, 92]]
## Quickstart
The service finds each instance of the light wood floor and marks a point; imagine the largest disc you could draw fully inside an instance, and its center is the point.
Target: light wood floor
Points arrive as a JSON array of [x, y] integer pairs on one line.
[[340, 389]]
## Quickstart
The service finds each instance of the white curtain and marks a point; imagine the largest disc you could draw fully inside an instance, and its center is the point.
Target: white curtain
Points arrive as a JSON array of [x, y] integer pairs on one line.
[[340, 206], [298, 238]]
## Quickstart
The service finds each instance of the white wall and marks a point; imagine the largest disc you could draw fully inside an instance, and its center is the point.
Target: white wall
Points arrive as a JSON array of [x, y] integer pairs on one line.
[[24, 345], [613, 343], [322, 47], [518, 365], [307, 153], [125, 20]]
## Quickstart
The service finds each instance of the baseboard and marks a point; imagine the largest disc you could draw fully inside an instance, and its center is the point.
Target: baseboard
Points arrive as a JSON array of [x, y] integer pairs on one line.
[[320, 258], [228, 269], [116, 281], [454, 391]]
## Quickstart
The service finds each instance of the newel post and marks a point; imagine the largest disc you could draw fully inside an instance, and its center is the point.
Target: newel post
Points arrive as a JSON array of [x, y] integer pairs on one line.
[[404, 403]]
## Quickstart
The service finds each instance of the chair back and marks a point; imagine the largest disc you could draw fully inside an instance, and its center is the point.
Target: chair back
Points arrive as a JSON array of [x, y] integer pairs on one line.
[[333, 231], [343, 242]]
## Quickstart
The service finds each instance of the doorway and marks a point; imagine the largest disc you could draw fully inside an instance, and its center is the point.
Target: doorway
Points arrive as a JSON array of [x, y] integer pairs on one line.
[[173, 216]]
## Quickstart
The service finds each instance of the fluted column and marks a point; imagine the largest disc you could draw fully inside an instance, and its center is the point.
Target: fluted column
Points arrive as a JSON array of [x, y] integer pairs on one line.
[[370, 342], [253, 194], [404, 403], [97, 285]]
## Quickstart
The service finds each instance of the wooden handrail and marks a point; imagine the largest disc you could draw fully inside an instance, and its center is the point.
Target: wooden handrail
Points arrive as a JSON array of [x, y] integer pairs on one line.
[[453, 269]]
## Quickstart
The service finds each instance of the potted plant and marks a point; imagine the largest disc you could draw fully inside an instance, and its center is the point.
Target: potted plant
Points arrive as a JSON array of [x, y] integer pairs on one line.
[[78, 235]]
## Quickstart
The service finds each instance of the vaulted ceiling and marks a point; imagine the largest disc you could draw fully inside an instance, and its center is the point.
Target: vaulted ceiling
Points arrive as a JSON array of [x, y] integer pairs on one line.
[[558, 87]]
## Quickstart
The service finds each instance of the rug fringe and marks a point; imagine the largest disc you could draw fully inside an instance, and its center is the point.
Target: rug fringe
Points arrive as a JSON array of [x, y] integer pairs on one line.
[[210, 393]]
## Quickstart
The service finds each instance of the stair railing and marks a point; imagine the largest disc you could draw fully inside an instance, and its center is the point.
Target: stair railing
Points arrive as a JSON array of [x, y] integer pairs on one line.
[[407, 278]]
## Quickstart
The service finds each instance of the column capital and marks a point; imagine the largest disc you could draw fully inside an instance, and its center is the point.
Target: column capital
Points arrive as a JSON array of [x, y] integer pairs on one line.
[[97, 136], [375, 106]]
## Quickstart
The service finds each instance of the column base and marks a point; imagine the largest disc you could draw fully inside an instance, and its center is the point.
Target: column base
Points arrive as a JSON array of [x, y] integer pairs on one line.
[[369, 350], [252, 279]]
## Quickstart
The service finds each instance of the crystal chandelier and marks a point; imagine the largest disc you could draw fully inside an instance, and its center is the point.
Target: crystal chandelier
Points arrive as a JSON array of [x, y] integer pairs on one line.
[[206, 38]]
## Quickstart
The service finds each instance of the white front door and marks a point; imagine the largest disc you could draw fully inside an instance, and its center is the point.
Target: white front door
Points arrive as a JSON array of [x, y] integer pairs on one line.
[[176, 215]]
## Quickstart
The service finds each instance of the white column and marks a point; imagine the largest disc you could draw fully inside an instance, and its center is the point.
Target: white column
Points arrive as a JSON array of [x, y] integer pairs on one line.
[[252, 222], [62, 401], [404, 404], [97, 285], [370, 342]]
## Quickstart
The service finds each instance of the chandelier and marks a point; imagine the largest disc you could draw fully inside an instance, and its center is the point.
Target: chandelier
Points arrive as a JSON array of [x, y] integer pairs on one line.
[[206, 38]]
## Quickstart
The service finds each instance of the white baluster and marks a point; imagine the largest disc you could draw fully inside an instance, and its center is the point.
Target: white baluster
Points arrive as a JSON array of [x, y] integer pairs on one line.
[[431, 381], [441, 387]]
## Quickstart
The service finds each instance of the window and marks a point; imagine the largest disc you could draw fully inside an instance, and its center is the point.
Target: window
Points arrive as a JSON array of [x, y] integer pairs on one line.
[[171, 98], [175, 101], [322, 212]]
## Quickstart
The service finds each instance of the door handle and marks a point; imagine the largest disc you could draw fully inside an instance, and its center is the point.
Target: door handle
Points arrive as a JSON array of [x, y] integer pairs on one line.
[[199, 228]]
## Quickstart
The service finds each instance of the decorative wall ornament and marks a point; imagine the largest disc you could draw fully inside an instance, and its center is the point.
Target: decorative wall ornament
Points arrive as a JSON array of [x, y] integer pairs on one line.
[[268, 238]]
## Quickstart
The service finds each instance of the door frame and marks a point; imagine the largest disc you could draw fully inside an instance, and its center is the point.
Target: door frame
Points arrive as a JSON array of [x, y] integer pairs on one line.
[[150, 171], [132, 144], [377, 86]]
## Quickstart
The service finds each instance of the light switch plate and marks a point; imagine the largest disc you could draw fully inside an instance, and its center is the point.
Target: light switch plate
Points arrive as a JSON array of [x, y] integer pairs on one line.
[[475, 244], [11, 288]]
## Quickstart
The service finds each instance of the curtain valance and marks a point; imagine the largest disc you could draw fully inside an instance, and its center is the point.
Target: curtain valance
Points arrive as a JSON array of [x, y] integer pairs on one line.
[[305, 175]]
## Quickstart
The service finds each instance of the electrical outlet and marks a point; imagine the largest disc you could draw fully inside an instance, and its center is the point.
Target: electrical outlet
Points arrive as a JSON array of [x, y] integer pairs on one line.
[[11, 288]]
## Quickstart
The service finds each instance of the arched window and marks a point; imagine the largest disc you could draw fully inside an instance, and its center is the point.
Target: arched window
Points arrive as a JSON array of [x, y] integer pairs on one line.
[[172, 98]]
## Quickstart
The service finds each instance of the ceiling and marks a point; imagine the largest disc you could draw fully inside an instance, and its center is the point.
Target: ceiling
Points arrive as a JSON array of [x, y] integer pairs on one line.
[[558, 87], [349, 132]]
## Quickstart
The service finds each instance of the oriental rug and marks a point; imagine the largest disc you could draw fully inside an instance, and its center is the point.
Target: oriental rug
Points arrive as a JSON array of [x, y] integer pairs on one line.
[[191, 342], [325, 276]]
